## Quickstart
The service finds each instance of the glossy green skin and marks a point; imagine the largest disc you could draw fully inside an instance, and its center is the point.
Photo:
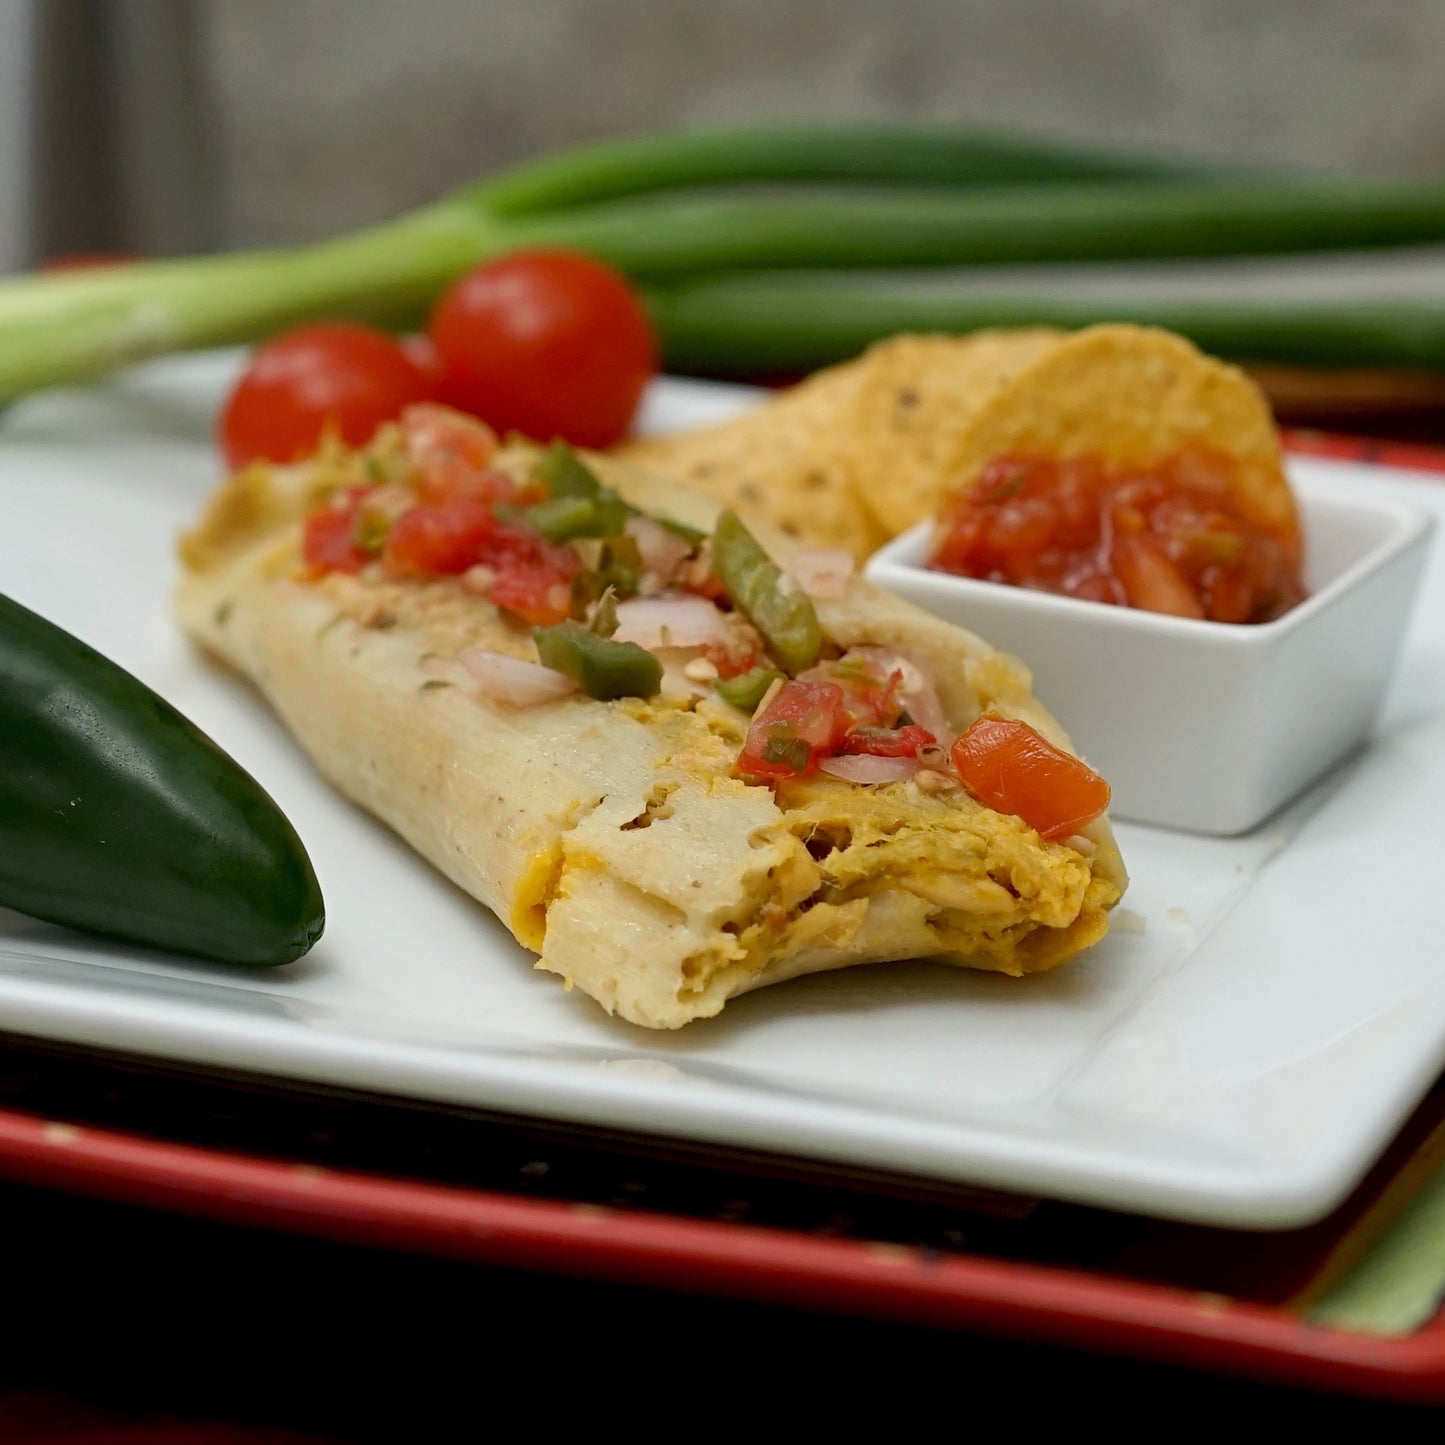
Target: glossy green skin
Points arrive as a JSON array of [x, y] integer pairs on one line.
[[604, 669], [747, 691], [120, 817], [754, 582]]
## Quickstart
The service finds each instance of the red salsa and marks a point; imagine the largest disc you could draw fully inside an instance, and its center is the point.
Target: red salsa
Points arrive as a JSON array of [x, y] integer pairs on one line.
[[1169, 537]]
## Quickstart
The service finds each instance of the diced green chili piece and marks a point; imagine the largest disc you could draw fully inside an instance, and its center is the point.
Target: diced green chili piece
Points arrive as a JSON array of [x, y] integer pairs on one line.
[[612, 514], [559, 519], [604, 669], [371, 532], [564, 473], [783, 746], [747, 690], [754, 582], [619, 567], [578, 505], [563, 519]]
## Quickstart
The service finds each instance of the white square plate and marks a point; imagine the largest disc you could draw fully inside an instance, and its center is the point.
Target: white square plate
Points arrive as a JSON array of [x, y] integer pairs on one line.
[[1238, 1050]]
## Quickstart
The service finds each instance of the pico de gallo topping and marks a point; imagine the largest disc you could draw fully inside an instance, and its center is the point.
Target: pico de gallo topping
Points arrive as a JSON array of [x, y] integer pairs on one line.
[[614, 597], [1012, 768], [1163, 538], [850, 706]]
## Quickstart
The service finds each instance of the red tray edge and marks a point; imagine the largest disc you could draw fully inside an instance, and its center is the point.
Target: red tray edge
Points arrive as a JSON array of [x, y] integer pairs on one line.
[[1381, 452], [767, 1265]]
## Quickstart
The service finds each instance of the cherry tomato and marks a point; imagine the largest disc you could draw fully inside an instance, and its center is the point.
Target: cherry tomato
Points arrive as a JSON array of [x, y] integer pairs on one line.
[[1010, 768], [335, 376], [85, 261], [546, 342], [418, 349]]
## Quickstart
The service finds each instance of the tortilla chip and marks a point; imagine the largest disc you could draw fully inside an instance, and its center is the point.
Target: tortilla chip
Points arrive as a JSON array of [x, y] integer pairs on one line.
[[865, 450], [788, 462], [915, 396], [1127, 394]]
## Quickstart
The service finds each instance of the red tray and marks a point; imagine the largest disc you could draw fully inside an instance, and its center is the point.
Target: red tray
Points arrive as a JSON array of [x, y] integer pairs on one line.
[[1117, 1310]]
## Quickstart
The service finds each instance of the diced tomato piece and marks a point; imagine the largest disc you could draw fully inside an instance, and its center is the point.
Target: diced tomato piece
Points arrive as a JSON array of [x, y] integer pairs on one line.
[[1011, 768], [534, 576], [805, 722], [1151, 581], [879, 742], [515, 542], [439, 539], [329, 536], [540, 596], [452, 453], [870, 689], [873, 703], [731, 658]]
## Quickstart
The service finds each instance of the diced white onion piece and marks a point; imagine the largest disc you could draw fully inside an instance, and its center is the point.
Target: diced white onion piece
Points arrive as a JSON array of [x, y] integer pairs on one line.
[[512, 680], [820, 572], [865, 768], [478, 579], [926, 710], [653, 622], [662, 551], [677, 686], [916, 692], [387, 502]]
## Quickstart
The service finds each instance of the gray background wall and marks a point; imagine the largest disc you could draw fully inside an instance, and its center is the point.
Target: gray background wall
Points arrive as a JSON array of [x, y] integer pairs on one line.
[[168, 125]]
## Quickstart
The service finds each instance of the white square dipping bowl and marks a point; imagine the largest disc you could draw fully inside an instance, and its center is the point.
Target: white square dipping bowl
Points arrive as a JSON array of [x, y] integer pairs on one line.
[[1206, 726]]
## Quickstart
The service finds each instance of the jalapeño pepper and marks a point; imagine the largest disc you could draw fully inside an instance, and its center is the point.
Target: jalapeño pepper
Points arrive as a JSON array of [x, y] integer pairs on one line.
[[120, 817]]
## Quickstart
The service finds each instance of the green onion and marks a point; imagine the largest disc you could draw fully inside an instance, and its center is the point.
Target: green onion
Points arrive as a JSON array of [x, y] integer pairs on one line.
[[903, 226], [686, 209], [840, 151], [794, 322], [56, 328]]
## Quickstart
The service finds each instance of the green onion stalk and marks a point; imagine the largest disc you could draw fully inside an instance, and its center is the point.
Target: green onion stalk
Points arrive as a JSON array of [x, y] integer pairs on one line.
[[773, 324], [744, 238]]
